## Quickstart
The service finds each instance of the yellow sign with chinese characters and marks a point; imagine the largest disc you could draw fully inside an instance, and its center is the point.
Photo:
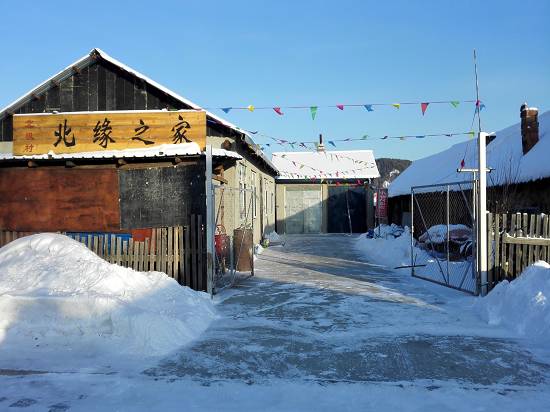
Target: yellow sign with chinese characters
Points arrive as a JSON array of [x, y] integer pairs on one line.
[[35, 134]]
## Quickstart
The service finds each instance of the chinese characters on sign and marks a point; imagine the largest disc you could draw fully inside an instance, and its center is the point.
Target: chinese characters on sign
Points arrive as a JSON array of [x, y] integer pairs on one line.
[[179, 136], [63, 135], [382, 203], [85, 132]]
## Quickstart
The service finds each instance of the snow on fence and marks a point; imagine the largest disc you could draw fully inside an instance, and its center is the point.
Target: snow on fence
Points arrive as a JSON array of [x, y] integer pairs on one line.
[[515, 241], [177, 251]]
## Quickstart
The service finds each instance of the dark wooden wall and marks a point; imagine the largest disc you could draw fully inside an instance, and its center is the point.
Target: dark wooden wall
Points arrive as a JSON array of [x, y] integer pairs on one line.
[[102, 87], [59, 199], [162, 196]]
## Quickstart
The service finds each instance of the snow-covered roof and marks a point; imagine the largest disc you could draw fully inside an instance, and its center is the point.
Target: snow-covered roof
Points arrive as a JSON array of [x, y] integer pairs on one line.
[[359, 164], [504, 156], [163, 150], [90, 59]]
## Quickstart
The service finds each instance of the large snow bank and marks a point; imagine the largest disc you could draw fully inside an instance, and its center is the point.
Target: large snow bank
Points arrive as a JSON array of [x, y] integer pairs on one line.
[[521, 305], [53, 286], [388, 249]]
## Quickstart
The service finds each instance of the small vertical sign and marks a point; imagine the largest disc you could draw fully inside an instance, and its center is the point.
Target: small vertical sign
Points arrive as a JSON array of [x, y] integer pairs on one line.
[[382, 204]]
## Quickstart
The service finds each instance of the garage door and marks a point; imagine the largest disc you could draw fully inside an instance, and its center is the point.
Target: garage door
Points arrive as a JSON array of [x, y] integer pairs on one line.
[[303, 210]]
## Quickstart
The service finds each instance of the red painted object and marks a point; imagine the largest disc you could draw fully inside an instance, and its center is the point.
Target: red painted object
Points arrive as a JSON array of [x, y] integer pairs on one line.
[[221, 242]]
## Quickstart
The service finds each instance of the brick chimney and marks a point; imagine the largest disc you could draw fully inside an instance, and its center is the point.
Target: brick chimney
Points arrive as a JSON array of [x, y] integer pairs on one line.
[[321, 147], [529, 128]]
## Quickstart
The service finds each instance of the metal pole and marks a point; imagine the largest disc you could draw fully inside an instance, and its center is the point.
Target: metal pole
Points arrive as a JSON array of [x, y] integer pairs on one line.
[[209, 224], [448, 238], [482, 198], [412, 232]]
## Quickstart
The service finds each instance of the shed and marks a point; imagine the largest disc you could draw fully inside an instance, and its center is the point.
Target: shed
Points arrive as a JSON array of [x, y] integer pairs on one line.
[[324, 192], [517, 154], [101, 148]]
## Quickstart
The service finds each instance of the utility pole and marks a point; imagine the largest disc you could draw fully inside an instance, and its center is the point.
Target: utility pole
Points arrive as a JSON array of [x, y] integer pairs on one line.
[[482, 199]]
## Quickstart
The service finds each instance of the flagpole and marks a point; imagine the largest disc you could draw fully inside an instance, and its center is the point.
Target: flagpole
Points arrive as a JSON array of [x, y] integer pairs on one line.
[[482, 199]]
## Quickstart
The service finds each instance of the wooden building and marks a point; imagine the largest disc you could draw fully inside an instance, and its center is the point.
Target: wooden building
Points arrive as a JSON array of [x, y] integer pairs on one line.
[[100, 148]]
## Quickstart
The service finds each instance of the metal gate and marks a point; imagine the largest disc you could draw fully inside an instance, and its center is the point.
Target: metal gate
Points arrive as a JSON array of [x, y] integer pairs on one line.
[[234, 213], [443, 235]]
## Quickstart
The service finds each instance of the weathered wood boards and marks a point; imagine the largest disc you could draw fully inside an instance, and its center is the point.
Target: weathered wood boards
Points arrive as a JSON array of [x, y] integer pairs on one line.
[[100, 131], [176, 251], [515, 242]]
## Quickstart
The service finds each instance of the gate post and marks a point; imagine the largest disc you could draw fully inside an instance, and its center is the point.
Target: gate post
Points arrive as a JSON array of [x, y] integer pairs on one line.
[[209, 224]]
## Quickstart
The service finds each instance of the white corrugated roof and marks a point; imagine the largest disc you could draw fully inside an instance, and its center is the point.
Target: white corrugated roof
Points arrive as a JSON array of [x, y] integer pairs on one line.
[[163, 150], [350, 164], [504, 155]]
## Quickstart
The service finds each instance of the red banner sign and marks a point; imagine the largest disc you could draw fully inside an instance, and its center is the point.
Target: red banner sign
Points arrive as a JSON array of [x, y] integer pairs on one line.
[[382, 203]]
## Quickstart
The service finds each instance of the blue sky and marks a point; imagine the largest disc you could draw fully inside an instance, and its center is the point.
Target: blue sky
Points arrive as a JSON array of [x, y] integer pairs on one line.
[[306, 53]]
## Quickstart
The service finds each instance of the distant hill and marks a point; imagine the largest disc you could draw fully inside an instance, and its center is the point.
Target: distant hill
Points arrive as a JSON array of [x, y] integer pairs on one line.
[[389, 170]]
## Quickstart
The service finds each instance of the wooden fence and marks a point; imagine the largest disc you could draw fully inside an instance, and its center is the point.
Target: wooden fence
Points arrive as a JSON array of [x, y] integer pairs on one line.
[[515, 241], [177, 251]]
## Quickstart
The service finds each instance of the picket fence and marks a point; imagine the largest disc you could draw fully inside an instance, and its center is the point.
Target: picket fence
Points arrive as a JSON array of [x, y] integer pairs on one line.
[[177, 251], [515, 241]]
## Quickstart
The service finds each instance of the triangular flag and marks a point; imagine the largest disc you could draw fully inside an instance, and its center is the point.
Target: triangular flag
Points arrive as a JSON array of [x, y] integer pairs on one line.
[[301, 166], [471, 135], [278, 110], [424, 107], [365, 137], [369, 107], [322, 180], [385, 137], [340, 106], [251, 108], [396, 105], [337, 183], [358, 182], [332, 143], [313, 179], [455, 104], [227, 109], [313, 112], [401, 138], [316, 145], [462, 164], [283, 155], [420, 137]]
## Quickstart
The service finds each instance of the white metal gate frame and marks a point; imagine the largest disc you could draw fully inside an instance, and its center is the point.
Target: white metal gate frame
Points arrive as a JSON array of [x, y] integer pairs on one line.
[[237, 204], [448, 273]]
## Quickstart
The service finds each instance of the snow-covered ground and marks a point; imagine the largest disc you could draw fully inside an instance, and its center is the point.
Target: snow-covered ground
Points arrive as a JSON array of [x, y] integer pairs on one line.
[[325, 324]]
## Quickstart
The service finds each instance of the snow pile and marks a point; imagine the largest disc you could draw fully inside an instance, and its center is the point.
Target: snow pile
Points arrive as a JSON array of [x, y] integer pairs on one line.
[[54, 287], [389, 250], [521, 305], [438, 233], [273, 237]]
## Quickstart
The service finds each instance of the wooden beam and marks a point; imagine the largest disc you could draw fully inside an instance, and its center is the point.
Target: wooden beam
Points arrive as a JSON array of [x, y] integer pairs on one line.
[[177, 160], [94, 56], [76, 69], [10, 112], [525, 240], [55, 83], [68, 163], [219, 179], [122, 162], [36, 96], [32, 164]]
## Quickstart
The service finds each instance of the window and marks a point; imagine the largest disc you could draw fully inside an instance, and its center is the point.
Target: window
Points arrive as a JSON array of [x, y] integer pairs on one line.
[[253, 187], [242, 197], [265, 201]]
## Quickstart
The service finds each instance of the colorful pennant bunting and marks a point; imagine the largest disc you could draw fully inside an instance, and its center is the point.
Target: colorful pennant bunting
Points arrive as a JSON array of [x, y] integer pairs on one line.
[[396, 105], [278, 110], [424, 107], [313, 112], [227, 109], [340, 106], [369, 107], [455, 104], [251, 108]]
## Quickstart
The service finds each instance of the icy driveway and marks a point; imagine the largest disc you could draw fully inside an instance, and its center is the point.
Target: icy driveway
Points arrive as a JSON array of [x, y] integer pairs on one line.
[[317, 311]]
